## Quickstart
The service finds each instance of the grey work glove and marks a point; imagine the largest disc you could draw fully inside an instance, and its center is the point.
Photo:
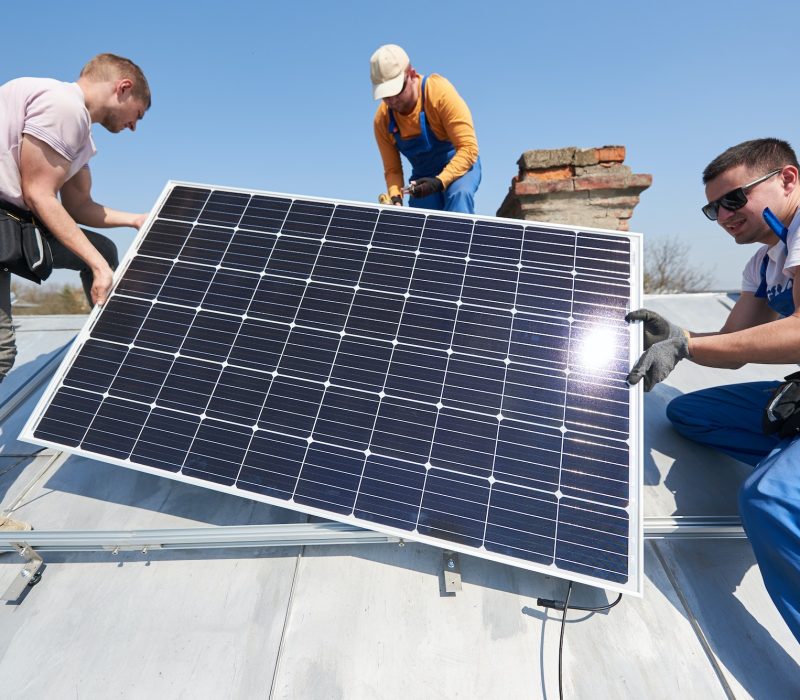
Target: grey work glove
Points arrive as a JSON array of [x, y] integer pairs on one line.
[[659, 360], [656, 328]]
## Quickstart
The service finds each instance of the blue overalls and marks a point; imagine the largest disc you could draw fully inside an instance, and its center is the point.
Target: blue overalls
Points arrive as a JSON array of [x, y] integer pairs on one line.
[[728, 418], [428, 157]]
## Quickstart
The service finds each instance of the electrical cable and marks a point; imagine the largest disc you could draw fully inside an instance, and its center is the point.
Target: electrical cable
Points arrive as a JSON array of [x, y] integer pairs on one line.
[[598, 609], [565, 606], [561, 642], [22, 459]]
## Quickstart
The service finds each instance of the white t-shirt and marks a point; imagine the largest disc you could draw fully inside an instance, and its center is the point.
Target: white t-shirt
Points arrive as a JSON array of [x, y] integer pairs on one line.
[[782, 258], [49, 110]]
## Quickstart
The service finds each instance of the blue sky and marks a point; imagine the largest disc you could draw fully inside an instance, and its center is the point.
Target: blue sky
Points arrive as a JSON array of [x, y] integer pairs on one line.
[[276, 96]]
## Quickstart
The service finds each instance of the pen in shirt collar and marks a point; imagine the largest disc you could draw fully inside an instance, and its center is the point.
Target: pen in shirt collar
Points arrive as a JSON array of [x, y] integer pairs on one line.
[[775, 224]]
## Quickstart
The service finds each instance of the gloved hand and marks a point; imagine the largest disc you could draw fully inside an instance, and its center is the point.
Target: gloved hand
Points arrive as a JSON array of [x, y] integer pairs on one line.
[[397, 200], [656, 328], [425, 186], [659, 360]]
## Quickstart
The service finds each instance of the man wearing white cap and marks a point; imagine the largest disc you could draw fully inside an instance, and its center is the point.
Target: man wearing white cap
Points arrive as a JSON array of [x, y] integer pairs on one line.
[[425, 119]]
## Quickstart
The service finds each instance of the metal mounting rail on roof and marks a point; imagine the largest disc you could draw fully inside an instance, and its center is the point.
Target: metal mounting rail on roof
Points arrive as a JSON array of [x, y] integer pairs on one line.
[[694, 527], [703, 527], [282, 535]]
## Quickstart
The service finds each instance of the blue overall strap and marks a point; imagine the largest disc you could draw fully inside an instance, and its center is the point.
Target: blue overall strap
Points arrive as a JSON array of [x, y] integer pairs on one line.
[[393, 125], [423, 120], [423, 123], [780, 300], [762, 288], [781, 232]]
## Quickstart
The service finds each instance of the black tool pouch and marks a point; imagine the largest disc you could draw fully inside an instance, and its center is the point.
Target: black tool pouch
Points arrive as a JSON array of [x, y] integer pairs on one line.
[[782, 412], [23, 249]]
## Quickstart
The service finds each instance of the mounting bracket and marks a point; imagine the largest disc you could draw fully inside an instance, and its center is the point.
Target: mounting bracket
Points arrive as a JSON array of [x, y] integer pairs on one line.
[[29, 574]]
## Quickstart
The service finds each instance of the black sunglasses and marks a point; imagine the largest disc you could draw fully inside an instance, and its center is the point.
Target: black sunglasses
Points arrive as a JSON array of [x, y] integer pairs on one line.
[[735, 199]]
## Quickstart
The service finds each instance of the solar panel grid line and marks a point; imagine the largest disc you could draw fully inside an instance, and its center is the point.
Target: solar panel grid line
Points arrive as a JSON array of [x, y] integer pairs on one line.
[[327, 382], [275, 374], [194, 438], [588, 528], [142, 427], [599, 259], [197, 313], [499, 416], [587, 413], [355, 244], [587, 495], [592, 551], [97, 408], [595, 432], [434, 343], [558, 492], [519, 515], [449, 352]]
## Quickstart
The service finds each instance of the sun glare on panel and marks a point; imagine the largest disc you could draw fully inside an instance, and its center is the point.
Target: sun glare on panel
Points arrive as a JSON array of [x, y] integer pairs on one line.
[[597, 348]]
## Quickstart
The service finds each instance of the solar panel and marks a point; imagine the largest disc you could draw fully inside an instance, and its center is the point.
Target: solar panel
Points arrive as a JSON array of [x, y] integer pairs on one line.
[[456, 380]]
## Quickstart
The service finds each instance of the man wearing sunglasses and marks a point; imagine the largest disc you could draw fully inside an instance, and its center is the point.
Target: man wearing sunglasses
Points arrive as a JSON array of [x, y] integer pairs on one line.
[[425, 119], [753, 192]]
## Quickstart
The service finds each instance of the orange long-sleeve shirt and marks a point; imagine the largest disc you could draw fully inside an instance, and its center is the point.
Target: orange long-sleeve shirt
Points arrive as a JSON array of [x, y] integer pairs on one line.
[[449, 118]]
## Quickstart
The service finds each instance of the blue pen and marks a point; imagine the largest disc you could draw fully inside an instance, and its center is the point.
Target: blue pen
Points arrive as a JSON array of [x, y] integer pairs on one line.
[[775, 224]]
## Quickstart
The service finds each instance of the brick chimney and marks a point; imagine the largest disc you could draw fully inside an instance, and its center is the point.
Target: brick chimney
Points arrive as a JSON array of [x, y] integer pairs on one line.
[[582, 186]]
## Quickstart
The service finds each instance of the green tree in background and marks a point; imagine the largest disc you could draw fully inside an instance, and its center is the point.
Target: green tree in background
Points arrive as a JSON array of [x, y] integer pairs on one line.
[[48, 299], [667, 269]]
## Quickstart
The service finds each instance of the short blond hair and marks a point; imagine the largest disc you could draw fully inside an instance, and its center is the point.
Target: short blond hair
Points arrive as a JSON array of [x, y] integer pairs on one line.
[[109, 66]]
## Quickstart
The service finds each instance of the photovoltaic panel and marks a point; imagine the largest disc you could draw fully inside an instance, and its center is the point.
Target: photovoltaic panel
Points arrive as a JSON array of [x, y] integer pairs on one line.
[[453, 379]]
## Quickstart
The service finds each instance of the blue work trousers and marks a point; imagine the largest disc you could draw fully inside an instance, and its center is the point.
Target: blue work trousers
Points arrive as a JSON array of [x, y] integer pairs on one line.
[[728, 418], [459, 196]]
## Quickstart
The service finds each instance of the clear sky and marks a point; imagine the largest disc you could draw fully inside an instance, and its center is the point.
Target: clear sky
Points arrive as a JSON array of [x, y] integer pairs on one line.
[[276, 96]]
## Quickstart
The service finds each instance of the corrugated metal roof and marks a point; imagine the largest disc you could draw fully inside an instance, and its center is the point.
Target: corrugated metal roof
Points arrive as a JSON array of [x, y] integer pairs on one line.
[[373, 620]]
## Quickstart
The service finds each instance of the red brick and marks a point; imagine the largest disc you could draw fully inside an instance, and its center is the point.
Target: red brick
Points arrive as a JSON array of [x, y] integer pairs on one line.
[[551, 186], [537, 187], [611, 154], [642, 180], [543, 174], [601, 182], [525, 187]]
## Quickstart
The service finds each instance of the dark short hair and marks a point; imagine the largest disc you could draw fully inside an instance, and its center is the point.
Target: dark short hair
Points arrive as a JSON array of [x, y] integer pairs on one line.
[[109, 66], [756, 155]]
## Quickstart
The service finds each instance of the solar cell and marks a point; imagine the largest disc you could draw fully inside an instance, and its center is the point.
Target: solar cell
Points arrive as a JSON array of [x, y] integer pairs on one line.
[[453, 379]]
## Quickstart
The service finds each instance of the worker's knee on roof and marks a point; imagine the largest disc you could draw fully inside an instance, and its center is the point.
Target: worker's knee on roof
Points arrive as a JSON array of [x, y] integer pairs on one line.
[[8, 355], [679, 411]]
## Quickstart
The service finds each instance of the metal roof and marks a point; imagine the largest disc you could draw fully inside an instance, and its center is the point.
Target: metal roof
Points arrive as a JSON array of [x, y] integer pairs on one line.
[[370, 620]]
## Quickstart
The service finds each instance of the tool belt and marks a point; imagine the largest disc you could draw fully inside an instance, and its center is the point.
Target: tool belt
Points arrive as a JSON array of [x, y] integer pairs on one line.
[[782, 412], [24, 250]]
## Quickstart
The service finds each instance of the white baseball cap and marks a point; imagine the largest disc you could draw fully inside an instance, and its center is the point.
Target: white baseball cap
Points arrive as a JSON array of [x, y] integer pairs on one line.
[[387, 70]]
